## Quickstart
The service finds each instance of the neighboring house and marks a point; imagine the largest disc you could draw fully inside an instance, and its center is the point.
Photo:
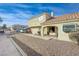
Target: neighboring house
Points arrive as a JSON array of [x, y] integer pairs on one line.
[[58, 26], [35, 22]]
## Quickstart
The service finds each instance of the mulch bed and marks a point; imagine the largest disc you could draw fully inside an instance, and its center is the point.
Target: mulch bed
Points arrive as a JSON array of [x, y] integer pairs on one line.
[[39, 47]]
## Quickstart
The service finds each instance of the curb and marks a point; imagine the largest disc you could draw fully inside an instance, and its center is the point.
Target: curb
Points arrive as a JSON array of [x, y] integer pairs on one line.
[[18, 48]]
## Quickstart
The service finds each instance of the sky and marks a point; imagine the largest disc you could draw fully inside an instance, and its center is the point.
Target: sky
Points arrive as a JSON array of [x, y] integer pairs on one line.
[[20, 13]]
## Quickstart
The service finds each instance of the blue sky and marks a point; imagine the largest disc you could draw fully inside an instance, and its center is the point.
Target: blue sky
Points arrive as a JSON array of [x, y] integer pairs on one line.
[[19, 13]]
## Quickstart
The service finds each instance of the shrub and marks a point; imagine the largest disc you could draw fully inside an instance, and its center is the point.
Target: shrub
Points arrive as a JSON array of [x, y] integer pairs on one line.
[[74, 36]]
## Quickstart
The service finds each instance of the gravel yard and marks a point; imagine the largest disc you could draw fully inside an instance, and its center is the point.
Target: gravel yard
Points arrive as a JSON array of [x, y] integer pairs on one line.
[[39, 47]]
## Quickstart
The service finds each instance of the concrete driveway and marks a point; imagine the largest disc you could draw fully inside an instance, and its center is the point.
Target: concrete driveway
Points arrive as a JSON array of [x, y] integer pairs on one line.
[[38, 47], [6, 46]]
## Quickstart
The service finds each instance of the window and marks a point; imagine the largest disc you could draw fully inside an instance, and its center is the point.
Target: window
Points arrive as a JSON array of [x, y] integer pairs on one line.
[[69, 28]]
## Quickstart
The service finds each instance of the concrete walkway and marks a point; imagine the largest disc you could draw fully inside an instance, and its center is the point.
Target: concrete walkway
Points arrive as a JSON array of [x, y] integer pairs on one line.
[[40, 37], [6, 47]]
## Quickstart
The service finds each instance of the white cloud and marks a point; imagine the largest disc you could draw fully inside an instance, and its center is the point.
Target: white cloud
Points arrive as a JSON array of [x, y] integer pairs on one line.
[[20, 17]]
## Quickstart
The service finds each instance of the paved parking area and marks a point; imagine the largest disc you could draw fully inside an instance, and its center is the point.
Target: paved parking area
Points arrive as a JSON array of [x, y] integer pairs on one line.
[[6, 47]]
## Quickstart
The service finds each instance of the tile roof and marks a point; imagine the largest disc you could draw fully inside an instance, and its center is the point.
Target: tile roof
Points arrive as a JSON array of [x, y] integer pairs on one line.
[[63, 18]]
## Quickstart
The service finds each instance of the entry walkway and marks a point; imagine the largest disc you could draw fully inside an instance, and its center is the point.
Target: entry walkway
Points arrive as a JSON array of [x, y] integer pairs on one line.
[[48, 37], [6, 47]]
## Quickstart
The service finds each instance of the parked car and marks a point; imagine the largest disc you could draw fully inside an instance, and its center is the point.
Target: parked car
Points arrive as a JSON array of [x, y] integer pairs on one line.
[[21, 30], [1, 31]]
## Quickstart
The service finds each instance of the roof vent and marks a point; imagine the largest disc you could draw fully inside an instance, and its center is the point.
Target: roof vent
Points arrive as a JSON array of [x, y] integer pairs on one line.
[[52, 14]]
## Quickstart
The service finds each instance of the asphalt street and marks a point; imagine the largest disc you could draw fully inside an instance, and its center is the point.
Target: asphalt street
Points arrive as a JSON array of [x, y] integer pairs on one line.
[[7, 48]]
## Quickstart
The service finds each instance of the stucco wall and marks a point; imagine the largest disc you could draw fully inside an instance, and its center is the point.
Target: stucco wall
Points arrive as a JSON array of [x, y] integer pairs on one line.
[[33, 22], [35, 30], [45, 30], [61, 34], [38, 20]]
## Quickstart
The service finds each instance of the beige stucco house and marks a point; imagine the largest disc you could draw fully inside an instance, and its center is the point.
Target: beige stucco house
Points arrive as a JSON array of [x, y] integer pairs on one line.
[[35, 22], [58, 26]]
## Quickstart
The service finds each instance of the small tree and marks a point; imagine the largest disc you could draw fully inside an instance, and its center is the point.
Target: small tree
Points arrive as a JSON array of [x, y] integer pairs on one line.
[[17, 26], [4, 26], [1, 20]]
